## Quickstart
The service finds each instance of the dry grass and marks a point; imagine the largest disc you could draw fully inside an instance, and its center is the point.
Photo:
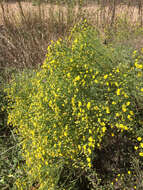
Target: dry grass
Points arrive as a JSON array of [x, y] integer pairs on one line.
[[26, 30], [26, 33], [94, 10]]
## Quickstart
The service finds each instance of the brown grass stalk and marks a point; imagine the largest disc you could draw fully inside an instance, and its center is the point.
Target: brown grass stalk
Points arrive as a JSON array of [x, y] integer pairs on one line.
[[27, 30]]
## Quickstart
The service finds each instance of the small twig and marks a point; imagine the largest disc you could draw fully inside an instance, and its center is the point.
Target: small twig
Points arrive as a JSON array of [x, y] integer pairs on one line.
[[13, 135], [21, 10], [3, 11]]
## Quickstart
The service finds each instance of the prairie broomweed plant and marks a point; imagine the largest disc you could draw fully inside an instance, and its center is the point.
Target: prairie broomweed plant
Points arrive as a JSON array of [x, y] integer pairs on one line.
[[63, 111]]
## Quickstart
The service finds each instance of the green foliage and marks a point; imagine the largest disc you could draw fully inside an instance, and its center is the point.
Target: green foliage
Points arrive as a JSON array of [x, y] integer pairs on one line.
[[2, 102], [124, 32], [5, 171], [10, 155], [69, 114], [9, 159]]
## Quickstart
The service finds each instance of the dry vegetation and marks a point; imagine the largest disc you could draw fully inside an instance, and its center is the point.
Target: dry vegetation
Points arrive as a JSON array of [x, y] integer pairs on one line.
[[99, 13], [26, 30]]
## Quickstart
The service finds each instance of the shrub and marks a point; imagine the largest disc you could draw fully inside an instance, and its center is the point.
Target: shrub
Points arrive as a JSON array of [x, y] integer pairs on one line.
[[67, 114]]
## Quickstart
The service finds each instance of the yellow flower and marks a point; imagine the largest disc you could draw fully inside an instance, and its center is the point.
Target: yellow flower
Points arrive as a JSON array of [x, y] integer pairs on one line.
[[88, 159], [79, 147], [98, 145], [138, 66], [117, 114], [79, 104], [113, 103], [90, 132], [116, 84], [96, 108], [90, 139], [68, 75], [88, 105], [84, 147], [131, 112], [117, 70], [141, 144], [107, 83], [136, 147], [141, 153], [118, 91], [102, 124], [139, 138], [128, 103], [129, 172], [124, 108], [139, 74], [103, 129], [122, 126], [141, 89], [65, 134], [89, 165], [77, 78], [125, 95], [89, 150], [129, 117], [107, 110], [75, 41], [105, 76]]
